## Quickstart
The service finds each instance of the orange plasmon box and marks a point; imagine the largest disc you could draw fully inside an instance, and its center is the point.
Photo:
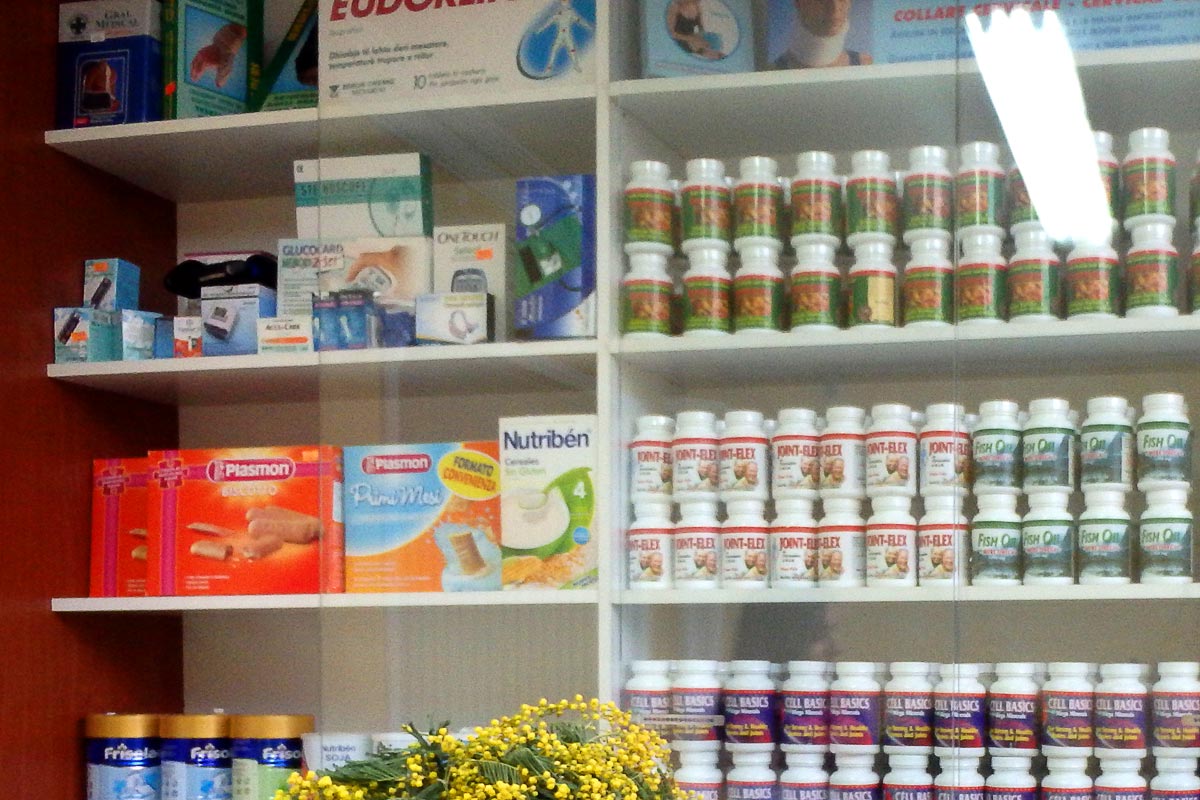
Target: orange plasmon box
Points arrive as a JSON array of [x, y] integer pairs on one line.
[[258, 520], [119, 527]]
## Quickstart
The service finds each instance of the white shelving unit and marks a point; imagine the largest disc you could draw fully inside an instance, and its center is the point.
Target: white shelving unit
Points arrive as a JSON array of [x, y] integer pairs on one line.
[[482, 653]]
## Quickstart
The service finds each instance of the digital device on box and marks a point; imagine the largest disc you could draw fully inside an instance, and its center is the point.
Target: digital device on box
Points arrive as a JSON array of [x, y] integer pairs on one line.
[[109, 62], [86, 334], [696, 37], [111, 284], [473, 258], [230, 317], [212, 56]]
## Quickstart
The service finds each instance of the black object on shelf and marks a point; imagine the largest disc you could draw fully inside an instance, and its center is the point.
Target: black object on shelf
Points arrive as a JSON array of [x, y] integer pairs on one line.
[[189, 277]]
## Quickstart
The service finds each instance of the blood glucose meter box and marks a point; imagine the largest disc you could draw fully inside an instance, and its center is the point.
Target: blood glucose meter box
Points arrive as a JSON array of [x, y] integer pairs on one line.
[[119, 535], [376, 51], [422, 518], [263, 520]]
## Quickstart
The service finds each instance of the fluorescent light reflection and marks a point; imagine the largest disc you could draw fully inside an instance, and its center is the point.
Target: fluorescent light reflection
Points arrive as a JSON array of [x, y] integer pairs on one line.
[[1031, 76]]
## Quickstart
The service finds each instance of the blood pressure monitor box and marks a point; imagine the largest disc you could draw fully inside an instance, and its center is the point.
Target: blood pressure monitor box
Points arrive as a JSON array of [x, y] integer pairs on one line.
[[376, 51], [343, 198], [230, 317]]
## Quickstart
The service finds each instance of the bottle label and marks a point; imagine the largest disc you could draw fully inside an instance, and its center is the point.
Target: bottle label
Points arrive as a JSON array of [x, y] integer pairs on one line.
[[706, 213], [959, 792], [646, 307], [751, 790], [1119, 793], [1110, 178], [1092, 286], [1010, 793], [706, 303], [1194, 280], [940, 547], [928, 294], [805, 718], [1149, 185], [996, 550], [979, 197], [744, 554], [757, 302], [649, 557], [1065, 793], [843, 458], [891, 553], [1104, 550], [1046, 455], [1164, 451], [1033, 287], [817, 207], [700, 703], [1151, 278], [1020, 206], [1106, 454], [697, 554], [651, 463], [750, 716], [702, 791], [694, 465], [816, 298], [945, 459], [873, 298], [743, 461], [803, 791], [648, 215], [1120, 721], [854, 718], [842, 552], [896, 791], [796, 463], [756, 209], [793, 555], [1175, 794], [996, 453], [927, 202], [642, 703], [979, 290], [1177, 719], [908, 719], [1166, 547], [842, 791], [1048, 546], [891, 456], [871, 205], [1067, 719], [183, 781], [958, 720], [1012, 722]]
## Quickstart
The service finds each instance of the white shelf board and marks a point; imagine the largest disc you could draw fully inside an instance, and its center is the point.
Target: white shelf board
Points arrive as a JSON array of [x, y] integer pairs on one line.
[[433, 370], [250, 155], [1010, 348], [920, 594], [893, 105], [68, 605]]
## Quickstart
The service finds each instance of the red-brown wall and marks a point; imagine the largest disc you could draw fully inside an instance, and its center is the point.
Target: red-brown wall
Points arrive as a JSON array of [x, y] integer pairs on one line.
[[54, 213]]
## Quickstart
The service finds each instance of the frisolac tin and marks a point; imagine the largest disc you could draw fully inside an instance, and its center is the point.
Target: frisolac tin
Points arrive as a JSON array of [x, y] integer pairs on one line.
[[122, 756], [197, 758]]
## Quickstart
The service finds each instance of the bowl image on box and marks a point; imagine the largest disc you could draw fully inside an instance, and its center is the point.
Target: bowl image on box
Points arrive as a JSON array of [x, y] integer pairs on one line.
[[541, 524]]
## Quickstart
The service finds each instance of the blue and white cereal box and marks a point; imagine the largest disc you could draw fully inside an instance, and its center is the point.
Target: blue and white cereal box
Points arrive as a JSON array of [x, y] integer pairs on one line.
[[696, 37]]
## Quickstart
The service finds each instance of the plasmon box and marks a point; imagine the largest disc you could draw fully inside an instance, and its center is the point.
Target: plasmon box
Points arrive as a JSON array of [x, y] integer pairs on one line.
[[422, 518], [119, 527], [260, 520]]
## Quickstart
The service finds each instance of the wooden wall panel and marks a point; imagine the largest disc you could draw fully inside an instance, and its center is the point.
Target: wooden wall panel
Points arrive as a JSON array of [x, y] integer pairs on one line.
[[54, 213]]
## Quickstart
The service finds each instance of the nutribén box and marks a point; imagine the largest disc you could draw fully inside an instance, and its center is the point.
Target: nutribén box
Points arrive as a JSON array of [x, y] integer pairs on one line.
[[119, 527]]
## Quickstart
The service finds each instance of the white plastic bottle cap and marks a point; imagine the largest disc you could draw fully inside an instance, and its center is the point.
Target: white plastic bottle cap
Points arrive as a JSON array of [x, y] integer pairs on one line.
[[758, 252], [1163, 401], [739, 508], [982, 242], [944, 410], [855, 759], [901, 761], [754, 418], [759, 167], [708, 259], [929, 247], [866, 162], [1120, 670], [841, 505], [1107, 405], [1011, 763], [844, 414], [950, 671], [979, 154], [1179, 669], [1175, 765], [873, 251], [793, 505], [928, 156], [1032, 236], [754, 667], [1016, 668], [890, 410], [1104, 143], [695, 746], [919, 668], [1158, 497], [706, 169], [855, 667], [991, 408], [808, 252], [816, 162], [1103, 497], [797, 416], [695, 419], [649, 170], [1152, 232], [1149, 139], [795, 759], [1049, 405], [650, 421], [696, 665], [807, 667], [1066, 763], [880, 505], [1068, 669]]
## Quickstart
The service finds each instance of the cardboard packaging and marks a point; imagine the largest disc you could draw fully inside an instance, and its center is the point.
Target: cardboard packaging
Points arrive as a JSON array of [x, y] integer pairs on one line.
[[287, 334], [86, 334], [189, 337], [357, 323], [455, 318], [422, 518], [547, 509], [111, 284], [137, 335], [381, 51], [257, 520], [290, 80], [346, 198], [212, 56], [555, 273], [230, 317], [301, 261], [472, 258], [119, 527], [164, 337], [390, 269], [718, 39], [109, 63]]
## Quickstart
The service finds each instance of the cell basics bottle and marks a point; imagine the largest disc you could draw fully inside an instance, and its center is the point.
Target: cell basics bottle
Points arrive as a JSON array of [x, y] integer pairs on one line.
[[908, 710], [855, 710], [804, 698], [1176, 710], [698, 771], [1012, 704], [805, 777], [1067, 711]]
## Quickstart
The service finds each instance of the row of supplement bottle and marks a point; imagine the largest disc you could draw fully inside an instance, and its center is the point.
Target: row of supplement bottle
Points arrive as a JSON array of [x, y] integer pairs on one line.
[[899, 451], [909, 777], [875, 202], [760, 295], [1013, 708]]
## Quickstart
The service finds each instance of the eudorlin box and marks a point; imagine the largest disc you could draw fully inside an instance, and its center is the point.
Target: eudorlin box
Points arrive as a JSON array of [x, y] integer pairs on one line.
[[290, 80], [212, 56], [380, 51], [119, 527], [422, 518], [109, 62], [345, 198], [260, 520], [548, 504], [472, 258]]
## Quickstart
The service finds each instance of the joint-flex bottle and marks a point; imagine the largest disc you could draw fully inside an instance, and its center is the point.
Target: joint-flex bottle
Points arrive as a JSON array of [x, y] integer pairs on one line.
[[648, 690], [942, 537], [696, 693], [744, 546], [979, 188], [1165, 538], [855, 778], [742, 454], [1148, 178], [959, 712], [855, 706], [1110, 172], [1067, 779], [707, 213], [796, 455], [981, 280], [1121, 712], [959, 779], [996, 542], [1012, 711], [805, 777], [1068, 703], [1176, 779], [1104, 537], [1011, 779], [843, 453], [842, 539], [1152, 271], [908, 710], [749, 702], [804, 698], [996, 449], [698, 771], [891, 543], [891, 452], [757, 198], [697, 546], [1106, 446], [1092, 285], [816, 287], [945, 448], [1176, 710], [1119, 780], [1048, 540], [650, 458], [872, 281], [694, 457], [649, 541], [871, 202], [795, 547]]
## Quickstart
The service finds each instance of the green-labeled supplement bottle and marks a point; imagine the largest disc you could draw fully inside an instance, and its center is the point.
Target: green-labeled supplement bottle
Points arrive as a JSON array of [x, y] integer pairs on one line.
[[996, 457], [1165, 537], [707, 218], [980, 281], [873, 286], [1034, 277], [871, 207], [1020, 206], [996, 542], [757, 197], [1105, 538], [1048, 540], [816, 287], [1148, 177], [1110, 172], [707, 293], [1048, 447], [929, 283], [758, 305], [1106, 445], [646, 296], [1092, 287], [979, 187], [1152, 271], [817, 199], [928, 193], [1164, 443], [649, 209]]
